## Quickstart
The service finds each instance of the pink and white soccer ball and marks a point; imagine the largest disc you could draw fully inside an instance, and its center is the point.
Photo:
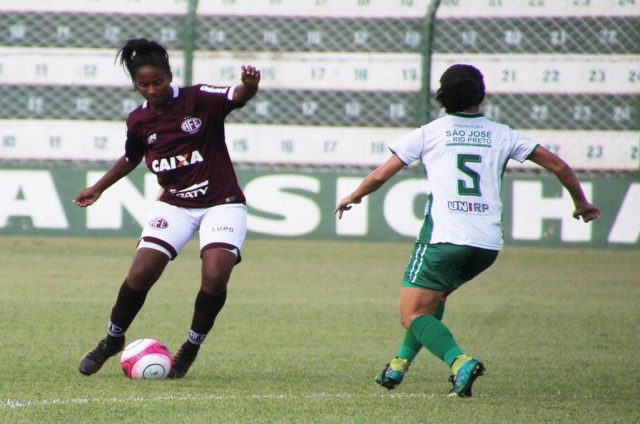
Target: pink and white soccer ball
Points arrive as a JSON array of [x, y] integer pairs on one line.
[[146, 359]]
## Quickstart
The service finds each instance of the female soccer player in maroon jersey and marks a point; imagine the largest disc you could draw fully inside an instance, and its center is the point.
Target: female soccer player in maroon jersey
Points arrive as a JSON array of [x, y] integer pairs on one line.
[[179, 132]]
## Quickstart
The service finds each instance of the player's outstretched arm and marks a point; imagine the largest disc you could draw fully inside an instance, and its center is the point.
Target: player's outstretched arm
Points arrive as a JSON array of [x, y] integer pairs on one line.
[[90, 195], [566, 176], [371, 183], [250, 77]]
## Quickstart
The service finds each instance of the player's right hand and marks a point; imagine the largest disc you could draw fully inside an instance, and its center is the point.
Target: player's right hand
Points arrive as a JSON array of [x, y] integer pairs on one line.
[[345, 205]]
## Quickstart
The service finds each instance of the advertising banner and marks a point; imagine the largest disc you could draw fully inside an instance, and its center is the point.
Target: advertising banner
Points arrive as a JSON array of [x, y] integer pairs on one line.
[[299, 204]]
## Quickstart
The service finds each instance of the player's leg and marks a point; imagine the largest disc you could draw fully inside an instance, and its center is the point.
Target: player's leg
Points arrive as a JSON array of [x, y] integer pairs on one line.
[[146, 268], [393, 372], [410, 346], [217, 264], [160, 242], [433, 272], [466, 370], [130, 299], [445, 268], [411, 305], [417, 309], [222, 234]]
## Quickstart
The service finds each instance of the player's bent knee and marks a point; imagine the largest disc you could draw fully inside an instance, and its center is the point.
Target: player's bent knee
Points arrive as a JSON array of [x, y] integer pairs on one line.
[[214, 281], [405, 321], [146, 269], [215, 286]]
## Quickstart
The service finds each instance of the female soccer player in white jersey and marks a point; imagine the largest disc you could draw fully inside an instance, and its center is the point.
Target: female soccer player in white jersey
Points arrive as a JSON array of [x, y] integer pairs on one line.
[[179, 132], [464, 155]]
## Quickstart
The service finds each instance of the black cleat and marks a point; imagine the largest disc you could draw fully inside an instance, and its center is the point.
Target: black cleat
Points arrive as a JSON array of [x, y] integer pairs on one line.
[[183, 359], [94, 359]]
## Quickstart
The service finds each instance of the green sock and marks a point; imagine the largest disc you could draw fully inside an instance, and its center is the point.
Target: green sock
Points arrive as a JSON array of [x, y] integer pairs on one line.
[[436, 337], [439, 311], [410, 345]]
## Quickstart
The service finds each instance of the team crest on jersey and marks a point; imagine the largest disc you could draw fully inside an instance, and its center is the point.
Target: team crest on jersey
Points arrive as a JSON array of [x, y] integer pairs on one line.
[[191, 125], [159, 223]]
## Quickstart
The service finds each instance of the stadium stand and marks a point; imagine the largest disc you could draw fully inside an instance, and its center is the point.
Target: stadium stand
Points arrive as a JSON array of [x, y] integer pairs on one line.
[[339, 82]]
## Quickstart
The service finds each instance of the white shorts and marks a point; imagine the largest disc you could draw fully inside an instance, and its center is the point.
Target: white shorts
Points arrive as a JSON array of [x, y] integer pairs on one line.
[[169, 228]]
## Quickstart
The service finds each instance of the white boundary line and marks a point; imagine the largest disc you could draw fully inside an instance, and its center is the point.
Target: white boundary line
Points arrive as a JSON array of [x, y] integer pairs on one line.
[[17, 404]]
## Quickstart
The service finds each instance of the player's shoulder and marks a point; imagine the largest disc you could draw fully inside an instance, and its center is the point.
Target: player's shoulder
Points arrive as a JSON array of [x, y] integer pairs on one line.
[[489, 122], [442, 120], [436, 124], [136, 116], [201, 90]]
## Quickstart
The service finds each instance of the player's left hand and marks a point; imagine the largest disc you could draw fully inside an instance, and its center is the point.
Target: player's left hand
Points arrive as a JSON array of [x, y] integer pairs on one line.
[[587, 212], [250, 75]]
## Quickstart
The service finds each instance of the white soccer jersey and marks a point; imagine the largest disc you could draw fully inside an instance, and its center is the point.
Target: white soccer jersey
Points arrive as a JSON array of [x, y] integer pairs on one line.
[[464, 157]]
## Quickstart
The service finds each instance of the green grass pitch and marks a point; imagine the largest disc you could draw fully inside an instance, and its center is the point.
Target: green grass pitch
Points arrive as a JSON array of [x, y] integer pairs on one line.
[[306, 327]]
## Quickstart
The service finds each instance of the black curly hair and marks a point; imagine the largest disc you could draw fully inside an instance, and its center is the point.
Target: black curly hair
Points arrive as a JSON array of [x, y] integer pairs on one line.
[[461, 86], [139, 52]]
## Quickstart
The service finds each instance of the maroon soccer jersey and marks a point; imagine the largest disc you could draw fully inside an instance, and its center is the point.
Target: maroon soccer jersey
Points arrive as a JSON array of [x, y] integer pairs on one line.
[[185, 147]]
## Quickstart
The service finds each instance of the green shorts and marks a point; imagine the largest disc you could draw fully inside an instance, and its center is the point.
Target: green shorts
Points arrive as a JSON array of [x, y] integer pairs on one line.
[[444, 266]]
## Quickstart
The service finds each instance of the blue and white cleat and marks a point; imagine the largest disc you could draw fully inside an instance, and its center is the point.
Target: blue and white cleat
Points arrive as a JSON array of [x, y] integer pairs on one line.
[[464, 378]]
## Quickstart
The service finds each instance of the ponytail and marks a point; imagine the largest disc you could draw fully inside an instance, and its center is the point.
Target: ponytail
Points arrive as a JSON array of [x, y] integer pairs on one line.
[[140, 52]]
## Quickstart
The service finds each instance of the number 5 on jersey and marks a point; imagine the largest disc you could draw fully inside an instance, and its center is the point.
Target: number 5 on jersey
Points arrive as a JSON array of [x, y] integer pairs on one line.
[[474, 189]]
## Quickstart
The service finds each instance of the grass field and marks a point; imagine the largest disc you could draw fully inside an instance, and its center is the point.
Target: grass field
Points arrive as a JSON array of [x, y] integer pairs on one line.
[[306, 327]]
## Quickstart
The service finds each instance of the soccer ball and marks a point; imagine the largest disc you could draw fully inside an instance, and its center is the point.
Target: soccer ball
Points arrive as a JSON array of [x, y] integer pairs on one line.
[[146, 359]]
